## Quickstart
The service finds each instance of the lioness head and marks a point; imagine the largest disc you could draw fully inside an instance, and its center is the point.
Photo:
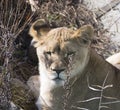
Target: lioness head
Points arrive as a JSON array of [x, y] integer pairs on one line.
[[61, 51]]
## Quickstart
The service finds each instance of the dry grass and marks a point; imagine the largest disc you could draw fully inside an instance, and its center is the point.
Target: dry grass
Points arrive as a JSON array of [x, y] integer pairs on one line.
[[13, 21]]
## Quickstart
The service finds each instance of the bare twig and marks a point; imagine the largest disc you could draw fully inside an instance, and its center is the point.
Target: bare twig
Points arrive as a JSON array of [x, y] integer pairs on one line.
[[12, 22]]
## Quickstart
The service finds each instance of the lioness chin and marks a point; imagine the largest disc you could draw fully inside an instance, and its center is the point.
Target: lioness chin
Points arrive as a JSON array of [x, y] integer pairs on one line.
[[64, 57]]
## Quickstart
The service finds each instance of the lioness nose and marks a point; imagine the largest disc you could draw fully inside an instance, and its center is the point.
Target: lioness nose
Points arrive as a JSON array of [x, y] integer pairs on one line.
[[58, 71]]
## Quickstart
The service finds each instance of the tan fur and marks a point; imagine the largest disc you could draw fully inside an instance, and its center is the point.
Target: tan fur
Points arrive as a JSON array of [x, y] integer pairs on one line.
[[89, 75], [114, 60], [34, 85]]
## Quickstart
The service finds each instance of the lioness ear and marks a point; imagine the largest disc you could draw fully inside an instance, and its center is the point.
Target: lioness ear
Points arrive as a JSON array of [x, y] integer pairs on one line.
[[85, 33], [38, 29]]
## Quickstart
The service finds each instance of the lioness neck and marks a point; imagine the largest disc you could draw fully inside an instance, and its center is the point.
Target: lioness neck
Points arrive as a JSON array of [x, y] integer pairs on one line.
[[99, 68]]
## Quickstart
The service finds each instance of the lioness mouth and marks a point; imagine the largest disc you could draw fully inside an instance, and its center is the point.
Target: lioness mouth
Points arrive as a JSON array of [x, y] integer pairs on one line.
[[57, 78]]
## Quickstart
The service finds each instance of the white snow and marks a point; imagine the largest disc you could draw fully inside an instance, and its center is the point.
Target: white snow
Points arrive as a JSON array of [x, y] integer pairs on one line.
[[96, 4], [111, 20]]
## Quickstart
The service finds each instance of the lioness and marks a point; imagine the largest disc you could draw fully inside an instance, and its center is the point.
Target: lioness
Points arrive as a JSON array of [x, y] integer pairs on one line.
[[114, 60], [72, 75]]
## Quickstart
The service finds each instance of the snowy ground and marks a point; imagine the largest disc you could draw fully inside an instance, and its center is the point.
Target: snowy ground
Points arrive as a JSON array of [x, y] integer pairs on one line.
[[110, 20], [96, 4]]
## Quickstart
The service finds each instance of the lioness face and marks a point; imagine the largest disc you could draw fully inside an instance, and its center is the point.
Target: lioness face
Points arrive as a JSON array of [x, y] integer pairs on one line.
[[62, 52], [57, 61]]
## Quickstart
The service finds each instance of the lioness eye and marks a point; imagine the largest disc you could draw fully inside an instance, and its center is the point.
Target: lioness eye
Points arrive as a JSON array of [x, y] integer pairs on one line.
[[48, 53]]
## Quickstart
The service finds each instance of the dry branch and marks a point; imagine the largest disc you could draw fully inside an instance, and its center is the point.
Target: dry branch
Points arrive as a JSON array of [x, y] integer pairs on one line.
[[34, 5], [13, 20]]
